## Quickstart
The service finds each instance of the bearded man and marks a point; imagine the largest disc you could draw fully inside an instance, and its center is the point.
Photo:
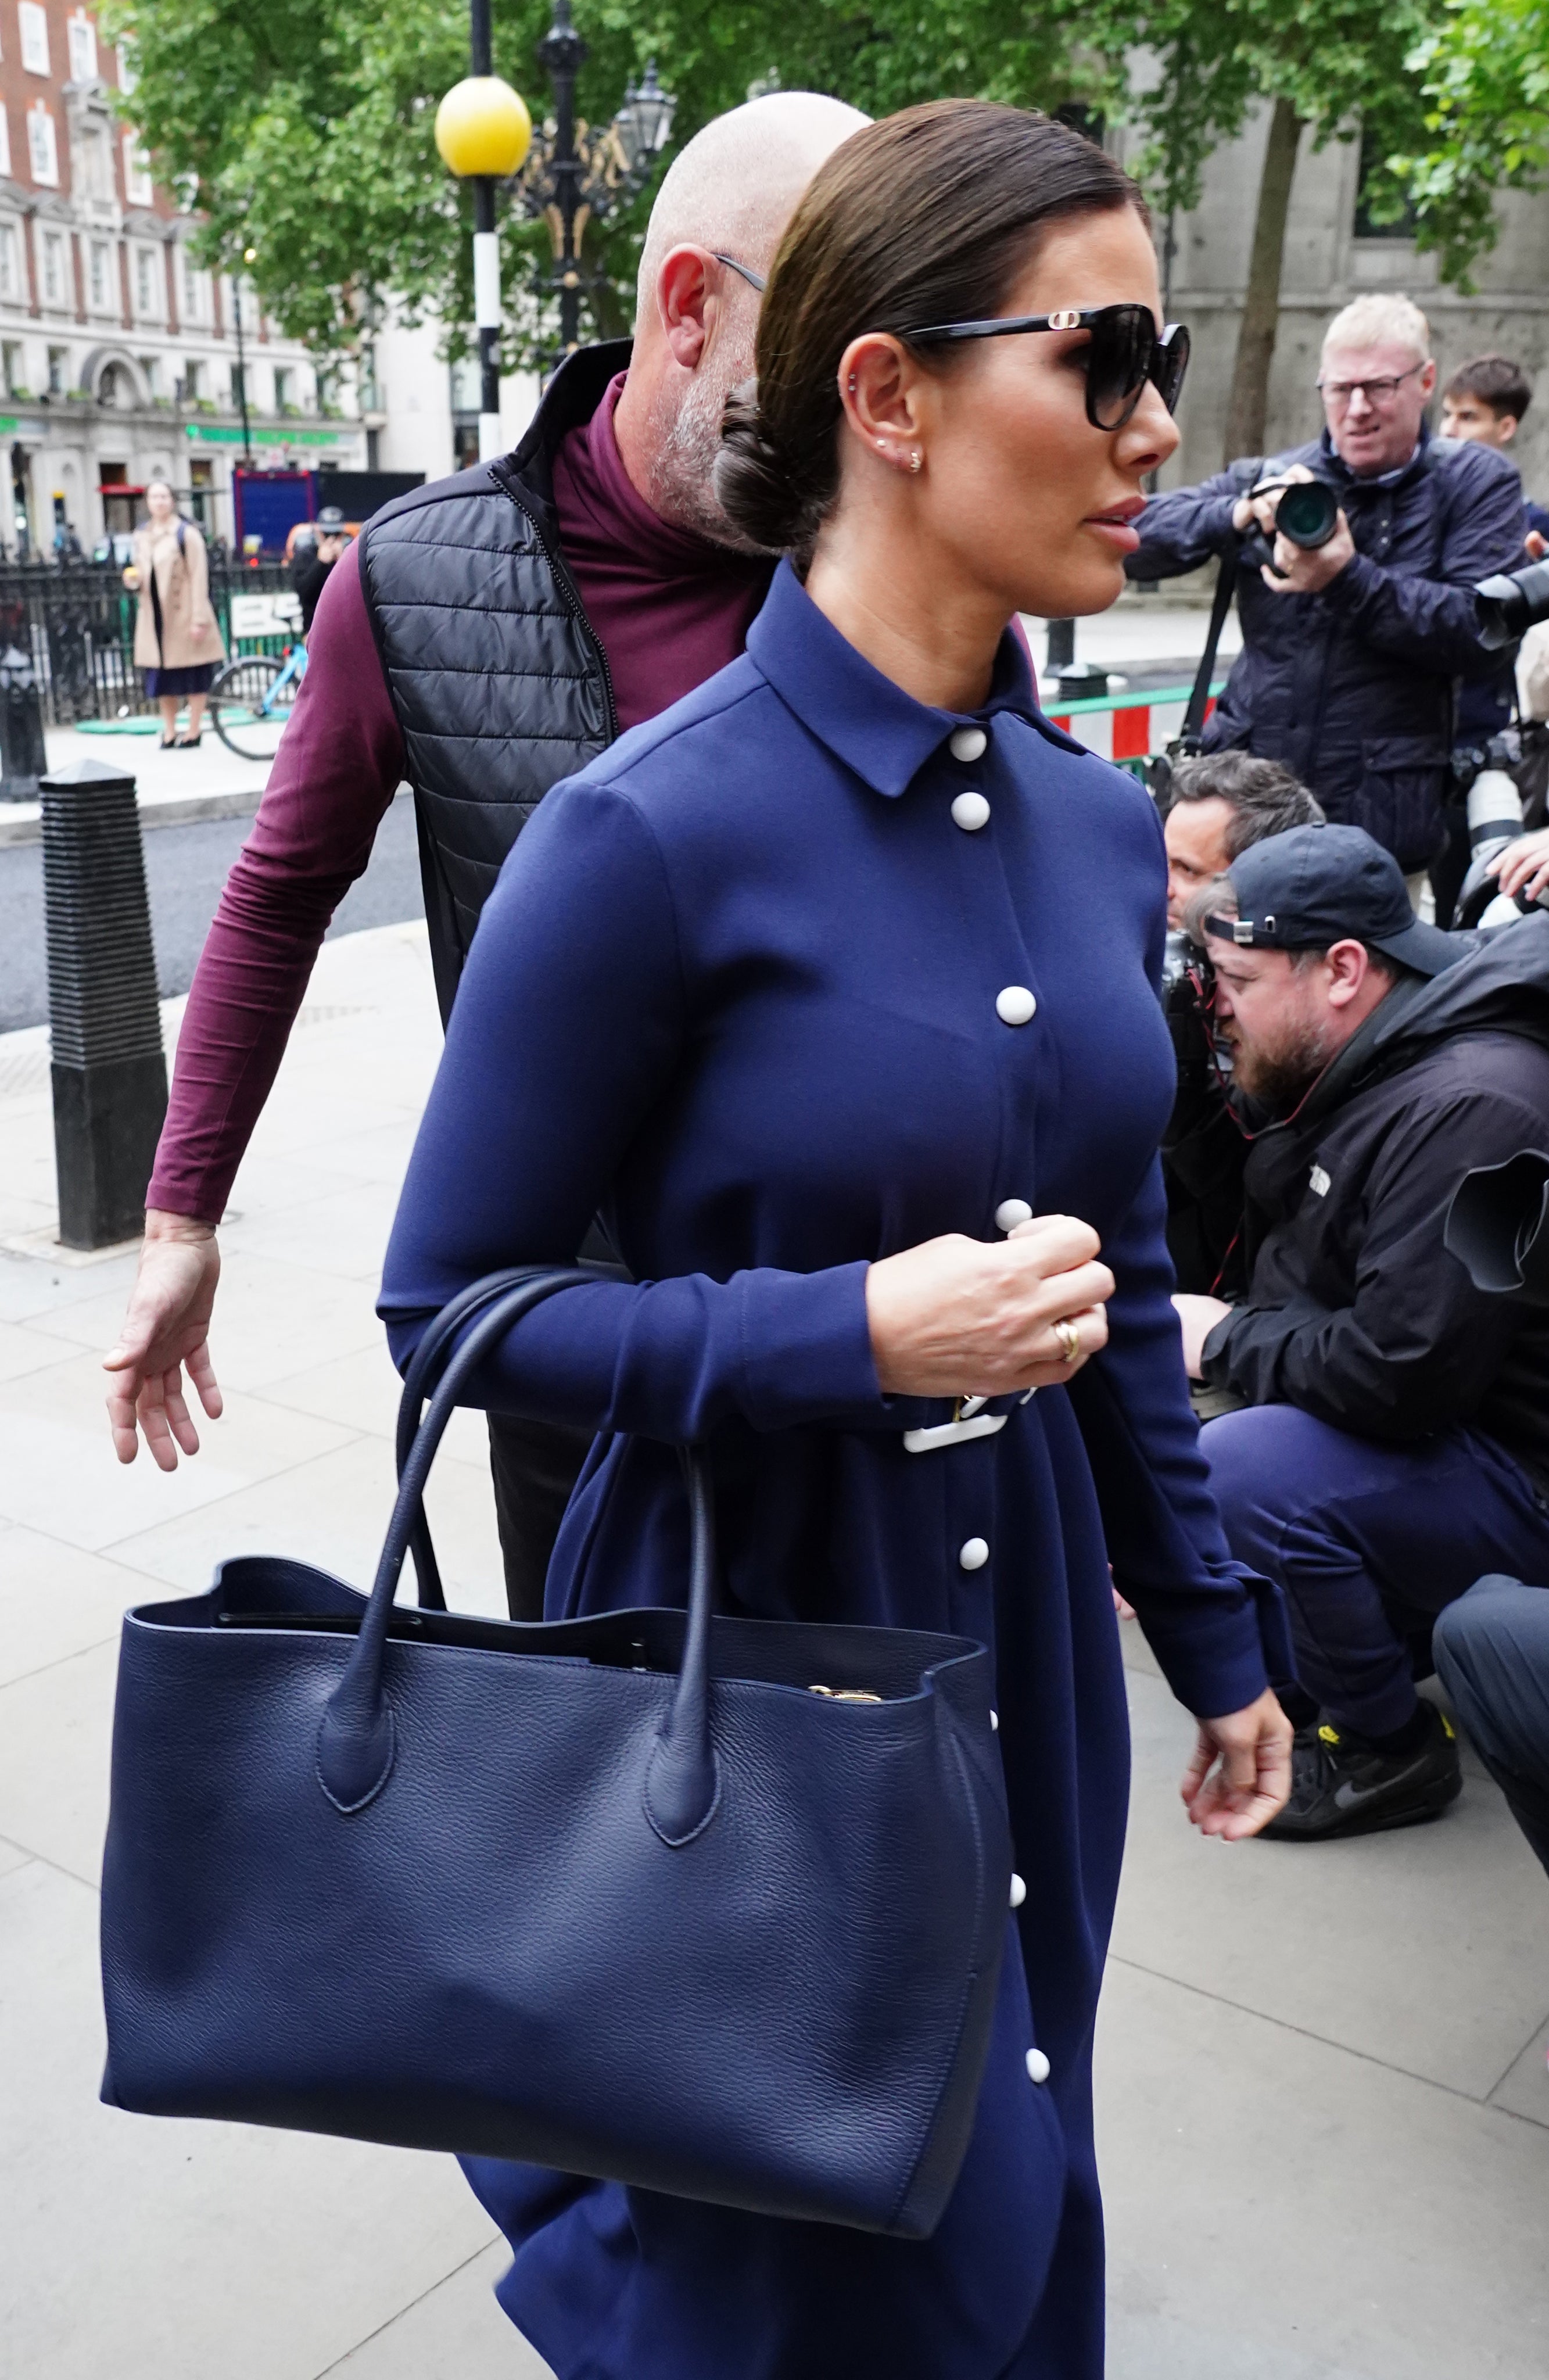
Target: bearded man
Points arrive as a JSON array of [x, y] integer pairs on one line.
[[487, 637], [1392, 1444]]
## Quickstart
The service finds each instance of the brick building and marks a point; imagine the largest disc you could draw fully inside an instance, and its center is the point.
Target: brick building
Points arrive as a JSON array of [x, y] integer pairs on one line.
[[118, 355]]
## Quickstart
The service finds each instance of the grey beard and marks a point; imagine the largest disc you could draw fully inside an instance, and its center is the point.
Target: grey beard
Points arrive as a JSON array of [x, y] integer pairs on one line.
[[683, 476]]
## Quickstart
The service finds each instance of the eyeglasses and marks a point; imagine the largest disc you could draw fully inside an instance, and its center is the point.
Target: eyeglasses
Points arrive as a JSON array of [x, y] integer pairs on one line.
[[1375, 392], [755, 280], [1124, 351]]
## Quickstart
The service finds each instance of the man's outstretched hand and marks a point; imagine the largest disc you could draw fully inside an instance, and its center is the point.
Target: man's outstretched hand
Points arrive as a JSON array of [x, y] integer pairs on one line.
[[1240, 1773], [166, 1327]]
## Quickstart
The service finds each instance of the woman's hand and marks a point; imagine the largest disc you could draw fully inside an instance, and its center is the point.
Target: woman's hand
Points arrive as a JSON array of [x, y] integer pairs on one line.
[[167, 1326], [1242, 1791], [1526, 859], [131, 578], [960, 1318]]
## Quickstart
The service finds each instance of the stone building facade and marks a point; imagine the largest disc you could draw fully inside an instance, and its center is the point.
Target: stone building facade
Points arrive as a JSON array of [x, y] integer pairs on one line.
[[118, 354], [1328, 261]]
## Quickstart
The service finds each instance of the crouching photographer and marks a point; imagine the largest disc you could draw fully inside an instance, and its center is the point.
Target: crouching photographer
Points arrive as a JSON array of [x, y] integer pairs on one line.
[[1394, 1441], [1215, 807]]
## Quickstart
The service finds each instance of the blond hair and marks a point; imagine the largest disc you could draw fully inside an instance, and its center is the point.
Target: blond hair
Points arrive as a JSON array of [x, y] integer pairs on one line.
[[1378, 320]]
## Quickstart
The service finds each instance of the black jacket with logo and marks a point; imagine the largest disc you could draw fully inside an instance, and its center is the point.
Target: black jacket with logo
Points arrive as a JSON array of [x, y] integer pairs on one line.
[[1355, 1310], [1352, 688]]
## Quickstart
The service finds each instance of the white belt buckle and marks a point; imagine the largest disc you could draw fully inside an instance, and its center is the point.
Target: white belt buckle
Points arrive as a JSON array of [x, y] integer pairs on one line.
[[969, 1421]]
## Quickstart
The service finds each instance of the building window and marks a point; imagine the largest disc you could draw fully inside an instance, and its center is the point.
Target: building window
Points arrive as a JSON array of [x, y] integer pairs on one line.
[[195, 288], [42, 147], [59, 364], [284, 395], [33, 22], [13, 365], [145, 283], [83, 48], [5, 139], [53, 269], [151, 367], [193, 381], [138, 188], [102, 275], [11, 264]]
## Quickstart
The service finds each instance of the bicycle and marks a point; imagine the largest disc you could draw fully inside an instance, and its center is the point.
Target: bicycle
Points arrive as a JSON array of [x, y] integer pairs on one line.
[[253, 697]]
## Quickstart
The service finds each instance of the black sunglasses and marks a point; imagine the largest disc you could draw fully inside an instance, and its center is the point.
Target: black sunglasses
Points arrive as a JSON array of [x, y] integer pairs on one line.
[[755, 280], [1124, 350]]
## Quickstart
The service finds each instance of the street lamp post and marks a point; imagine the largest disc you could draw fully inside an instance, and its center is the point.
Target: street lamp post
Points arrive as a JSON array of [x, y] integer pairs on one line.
[[482, 131], [574, 175], [248, 256]]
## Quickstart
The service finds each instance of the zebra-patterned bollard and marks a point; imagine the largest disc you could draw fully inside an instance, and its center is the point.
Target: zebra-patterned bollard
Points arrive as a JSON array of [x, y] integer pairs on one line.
[[110, 1083]]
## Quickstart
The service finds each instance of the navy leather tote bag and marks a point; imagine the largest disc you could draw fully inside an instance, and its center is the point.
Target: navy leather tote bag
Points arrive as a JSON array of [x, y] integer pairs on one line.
[[708, 1905]]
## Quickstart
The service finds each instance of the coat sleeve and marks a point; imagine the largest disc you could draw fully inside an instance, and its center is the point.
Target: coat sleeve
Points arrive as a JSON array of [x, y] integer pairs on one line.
[[567, 1031], [1186, 527], [1433, 623], [1418, 1347]]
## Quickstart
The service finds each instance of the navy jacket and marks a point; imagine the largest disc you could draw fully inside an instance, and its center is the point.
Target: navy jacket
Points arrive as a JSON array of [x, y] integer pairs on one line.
[[1352, 689], [738, 986], [1355, 1311]]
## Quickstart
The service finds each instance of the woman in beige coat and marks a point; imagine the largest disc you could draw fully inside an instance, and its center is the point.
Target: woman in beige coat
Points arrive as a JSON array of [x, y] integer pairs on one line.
[[178, 640]]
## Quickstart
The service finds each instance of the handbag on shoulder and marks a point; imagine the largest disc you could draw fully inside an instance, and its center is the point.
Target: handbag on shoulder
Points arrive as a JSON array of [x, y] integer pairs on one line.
[[706, 1905]]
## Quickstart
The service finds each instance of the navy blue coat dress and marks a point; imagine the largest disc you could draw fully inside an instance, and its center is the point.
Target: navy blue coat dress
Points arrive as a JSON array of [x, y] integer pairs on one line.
[[763, 987]]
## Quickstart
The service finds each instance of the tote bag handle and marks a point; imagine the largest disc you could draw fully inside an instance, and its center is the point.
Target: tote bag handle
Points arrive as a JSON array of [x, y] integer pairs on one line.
[[422, 1377], [356, 1740]]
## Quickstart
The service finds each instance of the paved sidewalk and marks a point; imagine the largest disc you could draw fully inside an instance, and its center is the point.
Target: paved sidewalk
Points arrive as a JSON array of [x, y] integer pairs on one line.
[[1323, 2099]]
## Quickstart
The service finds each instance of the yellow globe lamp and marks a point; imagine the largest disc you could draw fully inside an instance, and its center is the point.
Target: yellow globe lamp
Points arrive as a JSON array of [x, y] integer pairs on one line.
[[482, 126]]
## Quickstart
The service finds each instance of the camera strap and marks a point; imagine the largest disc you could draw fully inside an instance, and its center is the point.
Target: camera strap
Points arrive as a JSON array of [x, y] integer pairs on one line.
[[1226, 587]]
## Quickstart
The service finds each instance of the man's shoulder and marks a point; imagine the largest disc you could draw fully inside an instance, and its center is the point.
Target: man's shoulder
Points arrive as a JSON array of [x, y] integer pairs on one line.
[[1469, 464]]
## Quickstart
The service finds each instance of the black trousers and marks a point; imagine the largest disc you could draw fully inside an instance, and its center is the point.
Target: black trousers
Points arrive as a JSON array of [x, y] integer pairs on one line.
[[1493, 1657], [534, 1466]]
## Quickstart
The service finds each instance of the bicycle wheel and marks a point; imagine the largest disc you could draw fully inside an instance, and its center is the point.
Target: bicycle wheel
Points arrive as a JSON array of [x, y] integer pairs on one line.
[[250, 705]]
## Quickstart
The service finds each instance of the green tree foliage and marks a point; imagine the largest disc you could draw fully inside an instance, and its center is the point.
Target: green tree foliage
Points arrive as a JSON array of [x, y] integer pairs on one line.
[[1484, 78]]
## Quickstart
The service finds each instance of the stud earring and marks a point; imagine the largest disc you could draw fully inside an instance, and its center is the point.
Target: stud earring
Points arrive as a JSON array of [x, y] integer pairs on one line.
[[881, 446], [915, 460]]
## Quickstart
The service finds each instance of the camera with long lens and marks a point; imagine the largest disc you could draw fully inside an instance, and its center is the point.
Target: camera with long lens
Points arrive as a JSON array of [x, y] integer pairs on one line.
[[1511, 604], [1497, 1225], [1307, 515]]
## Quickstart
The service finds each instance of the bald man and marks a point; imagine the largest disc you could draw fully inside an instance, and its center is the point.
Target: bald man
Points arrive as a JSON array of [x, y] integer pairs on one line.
[[487, 637]]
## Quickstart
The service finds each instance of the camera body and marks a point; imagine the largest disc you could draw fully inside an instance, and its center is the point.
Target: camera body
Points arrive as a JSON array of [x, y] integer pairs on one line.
[[1511, 604], [1307, 515]]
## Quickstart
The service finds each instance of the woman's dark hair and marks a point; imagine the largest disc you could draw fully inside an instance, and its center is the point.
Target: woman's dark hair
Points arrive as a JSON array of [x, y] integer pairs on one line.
[[928, 216]]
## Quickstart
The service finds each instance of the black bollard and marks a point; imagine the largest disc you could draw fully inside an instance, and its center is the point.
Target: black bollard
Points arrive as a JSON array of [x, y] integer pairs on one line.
[[110, 1081], [23, 759]]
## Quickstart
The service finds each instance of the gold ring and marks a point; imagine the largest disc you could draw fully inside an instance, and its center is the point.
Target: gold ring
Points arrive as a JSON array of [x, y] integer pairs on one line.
[[1069, 1342]]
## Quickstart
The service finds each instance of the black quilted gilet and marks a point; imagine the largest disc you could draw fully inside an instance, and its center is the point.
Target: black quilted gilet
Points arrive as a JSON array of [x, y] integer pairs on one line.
[[500, 686]]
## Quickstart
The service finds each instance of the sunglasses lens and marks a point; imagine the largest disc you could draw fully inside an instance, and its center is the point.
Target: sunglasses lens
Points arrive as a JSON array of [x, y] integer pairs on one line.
[[1171, 363], [1120, 355]]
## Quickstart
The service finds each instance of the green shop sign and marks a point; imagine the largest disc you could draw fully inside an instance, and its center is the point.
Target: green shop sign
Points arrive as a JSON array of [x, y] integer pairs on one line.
[[205, 434]]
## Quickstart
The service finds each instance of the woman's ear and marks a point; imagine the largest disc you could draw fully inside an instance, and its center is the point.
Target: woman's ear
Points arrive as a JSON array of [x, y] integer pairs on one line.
[[880, 390]]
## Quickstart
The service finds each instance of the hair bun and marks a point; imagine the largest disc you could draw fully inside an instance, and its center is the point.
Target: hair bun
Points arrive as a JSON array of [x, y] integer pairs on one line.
[[754, 484]]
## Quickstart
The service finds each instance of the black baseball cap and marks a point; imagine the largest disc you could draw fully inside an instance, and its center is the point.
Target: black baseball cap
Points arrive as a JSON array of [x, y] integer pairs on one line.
[[330, 519], [1314, 885]]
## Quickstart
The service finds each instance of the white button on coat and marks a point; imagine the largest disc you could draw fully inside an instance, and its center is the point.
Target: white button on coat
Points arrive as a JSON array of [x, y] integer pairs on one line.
[[973, 1554], [1019, 1892], [1010, 1212], [994, 1722], [1038, 2066], [1015, 1005], [971, 811], [969, 743]]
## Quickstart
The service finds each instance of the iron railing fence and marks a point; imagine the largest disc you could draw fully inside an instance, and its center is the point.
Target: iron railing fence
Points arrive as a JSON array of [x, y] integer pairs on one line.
[[75, 622]]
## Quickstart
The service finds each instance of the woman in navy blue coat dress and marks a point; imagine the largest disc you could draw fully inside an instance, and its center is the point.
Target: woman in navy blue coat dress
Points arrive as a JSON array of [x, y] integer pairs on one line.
[[834, 990]]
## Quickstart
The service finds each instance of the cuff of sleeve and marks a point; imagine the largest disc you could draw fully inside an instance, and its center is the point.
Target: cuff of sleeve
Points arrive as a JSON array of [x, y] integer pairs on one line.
[[1357, 581], [1214, 1367], [174, 1196], [1223, 1663], [806, 1348]]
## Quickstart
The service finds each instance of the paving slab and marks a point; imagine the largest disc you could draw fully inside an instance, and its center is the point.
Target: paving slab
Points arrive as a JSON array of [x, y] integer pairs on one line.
[[1523, 2089], [57, 1601], [150, 2249], [1280, 2210], [455, 2331], [1427, 1949]]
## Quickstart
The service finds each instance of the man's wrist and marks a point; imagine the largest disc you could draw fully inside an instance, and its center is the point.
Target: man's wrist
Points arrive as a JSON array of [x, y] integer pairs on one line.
[[165, 1223]]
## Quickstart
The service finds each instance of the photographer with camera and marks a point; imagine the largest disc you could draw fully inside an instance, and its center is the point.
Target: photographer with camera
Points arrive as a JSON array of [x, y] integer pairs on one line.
[[1355, 629], [1394, 1441], [1216, 806]]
